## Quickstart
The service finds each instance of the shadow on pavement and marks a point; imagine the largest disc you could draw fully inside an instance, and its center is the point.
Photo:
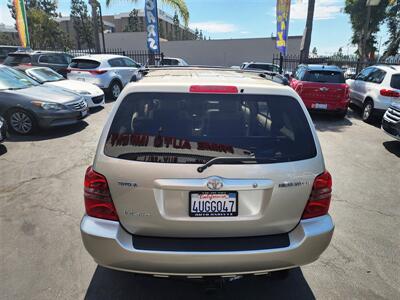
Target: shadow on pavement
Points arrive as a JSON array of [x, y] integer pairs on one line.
[[3, 150], [329, 122], [393, 147], [96, 109], [110, 284], [48, 134]]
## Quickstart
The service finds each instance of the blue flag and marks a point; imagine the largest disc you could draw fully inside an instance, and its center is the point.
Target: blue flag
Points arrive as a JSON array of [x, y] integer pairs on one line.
[[282, 24], [151, 15]]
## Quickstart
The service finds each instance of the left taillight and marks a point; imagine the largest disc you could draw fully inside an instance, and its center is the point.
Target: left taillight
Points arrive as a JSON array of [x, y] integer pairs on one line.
[[97, 72], [320, 197], [98, 202]]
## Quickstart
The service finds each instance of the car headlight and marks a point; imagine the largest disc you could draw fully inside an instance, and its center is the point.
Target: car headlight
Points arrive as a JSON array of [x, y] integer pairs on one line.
[[83, 92], [48, 105]]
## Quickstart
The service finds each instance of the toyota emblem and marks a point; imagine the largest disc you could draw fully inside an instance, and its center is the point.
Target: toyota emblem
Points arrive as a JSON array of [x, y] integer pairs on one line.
[[215, 184]]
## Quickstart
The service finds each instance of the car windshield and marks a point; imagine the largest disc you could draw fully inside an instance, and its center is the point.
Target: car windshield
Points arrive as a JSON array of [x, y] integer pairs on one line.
[[325, 76], [14, 80], [194, 128], [44, 74], [395, 81]]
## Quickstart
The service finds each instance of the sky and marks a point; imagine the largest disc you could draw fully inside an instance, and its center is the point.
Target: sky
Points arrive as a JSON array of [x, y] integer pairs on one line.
[[226, 19]]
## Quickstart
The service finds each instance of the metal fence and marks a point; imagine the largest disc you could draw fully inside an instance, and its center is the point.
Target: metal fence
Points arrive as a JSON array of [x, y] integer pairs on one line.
[[143, 57], [290, 62]]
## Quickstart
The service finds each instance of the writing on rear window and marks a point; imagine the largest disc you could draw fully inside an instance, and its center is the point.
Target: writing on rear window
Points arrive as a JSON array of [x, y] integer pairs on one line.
[[194, 128]]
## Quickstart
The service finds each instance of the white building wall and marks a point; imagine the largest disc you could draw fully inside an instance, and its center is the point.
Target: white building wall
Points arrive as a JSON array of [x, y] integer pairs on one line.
[[210, 52]]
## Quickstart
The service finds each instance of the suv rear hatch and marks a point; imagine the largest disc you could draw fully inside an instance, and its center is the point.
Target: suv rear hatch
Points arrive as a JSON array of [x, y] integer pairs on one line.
[[157, 141], [84, 69], [323, 86]]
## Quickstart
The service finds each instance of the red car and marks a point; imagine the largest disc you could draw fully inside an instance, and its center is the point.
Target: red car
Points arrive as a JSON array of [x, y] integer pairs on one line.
[[322, 88]]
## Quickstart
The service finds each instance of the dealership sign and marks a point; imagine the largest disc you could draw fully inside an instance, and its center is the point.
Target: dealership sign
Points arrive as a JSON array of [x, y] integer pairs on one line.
[[151, 15], [282, 24]]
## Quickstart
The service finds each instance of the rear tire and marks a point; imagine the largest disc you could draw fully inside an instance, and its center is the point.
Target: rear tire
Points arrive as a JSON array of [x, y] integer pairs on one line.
[[21, 122], [367, 113], [114, 90]]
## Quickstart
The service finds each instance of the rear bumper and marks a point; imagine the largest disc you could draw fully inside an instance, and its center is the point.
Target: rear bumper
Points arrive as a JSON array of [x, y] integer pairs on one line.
[[338, 106], [111, 246]]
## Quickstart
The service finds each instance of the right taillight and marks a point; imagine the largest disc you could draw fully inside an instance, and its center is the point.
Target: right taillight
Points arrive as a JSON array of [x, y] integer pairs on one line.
[[320, 197], [98, 202], [389, 93]]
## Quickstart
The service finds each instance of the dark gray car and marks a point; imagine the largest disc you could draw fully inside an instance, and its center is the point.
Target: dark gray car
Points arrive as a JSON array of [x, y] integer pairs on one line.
[[26, 105]]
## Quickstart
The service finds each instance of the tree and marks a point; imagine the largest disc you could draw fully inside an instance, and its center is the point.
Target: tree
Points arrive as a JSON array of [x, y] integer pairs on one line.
[[196, 34], [175, 21], [201, 35], [6, 39], [393, 24], [44, 31], [308, 30], [82, 23], [364, 34], [314, 51], [133, 21], [179, 5]]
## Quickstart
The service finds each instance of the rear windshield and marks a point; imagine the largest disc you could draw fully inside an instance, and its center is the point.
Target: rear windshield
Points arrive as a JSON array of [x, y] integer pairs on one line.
[[16, 59], [5, 50], [194, 128], [324, 76], [395, 81], [84, 64]]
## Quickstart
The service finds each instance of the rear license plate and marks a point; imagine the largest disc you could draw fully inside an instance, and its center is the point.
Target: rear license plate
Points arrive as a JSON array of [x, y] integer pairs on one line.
[[213, 204], [320, 106]]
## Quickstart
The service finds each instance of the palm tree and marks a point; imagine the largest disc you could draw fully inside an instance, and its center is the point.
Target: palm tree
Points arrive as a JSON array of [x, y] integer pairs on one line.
[[179, 5], [308, 30]]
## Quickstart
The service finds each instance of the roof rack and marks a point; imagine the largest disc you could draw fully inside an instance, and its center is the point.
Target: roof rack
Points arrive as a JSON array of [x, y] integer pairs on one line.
[[272, 76]]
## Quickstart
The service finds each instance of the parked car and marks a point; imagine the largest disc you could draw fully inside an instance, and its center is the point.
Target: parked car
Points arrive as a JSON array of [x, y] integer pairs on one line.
[[58, 61], [93, 95], [349, 73], [374, 89], [391, 121], [3, 129], [4, 50], [109, 72], [173, 61], [27, 105], [218, 173], [322, 88], [260, 66]]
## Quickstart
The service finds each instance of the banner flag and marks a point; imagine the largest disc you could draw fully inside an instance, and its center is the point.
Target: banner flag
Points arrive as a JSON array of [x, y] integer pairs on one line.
[[282, 24], [151, 16], [22, 24]]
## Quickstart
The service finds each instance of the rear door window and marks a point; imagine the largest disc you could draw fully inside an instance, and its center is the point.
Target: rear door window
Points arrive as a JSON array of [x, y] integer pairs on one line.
[[194, 128], [395, 81], [324, 76], [376, 76], [84, 64], [16, 59]]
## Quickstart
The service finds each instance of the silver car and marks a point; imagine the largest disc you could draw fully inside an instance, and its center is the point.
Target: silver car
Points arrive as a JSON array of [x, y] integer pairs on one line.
[[109, 72], [207, 172]]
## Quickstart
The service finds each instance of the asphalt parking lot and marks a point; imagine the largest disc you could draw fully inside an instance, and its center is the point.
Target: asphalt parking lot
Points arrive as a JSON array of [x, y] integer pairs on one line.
[[41, 204]]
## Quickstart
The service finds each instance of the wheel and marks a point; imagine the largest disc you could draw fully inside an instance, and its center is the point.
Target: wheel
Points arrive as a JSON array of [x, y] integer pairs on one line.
[[368, 111], [115, 89], [21, 122]]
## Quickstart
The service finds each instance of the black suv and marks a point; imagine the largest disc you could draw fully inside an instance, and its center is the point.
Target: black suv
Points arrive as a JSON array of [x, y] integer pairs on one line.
[[58, 61]]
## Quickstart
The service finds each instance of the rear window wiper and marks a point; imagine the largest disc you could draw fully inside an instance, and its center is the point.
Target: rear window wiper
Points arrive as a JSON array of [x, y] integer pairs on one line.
[[234, 160]]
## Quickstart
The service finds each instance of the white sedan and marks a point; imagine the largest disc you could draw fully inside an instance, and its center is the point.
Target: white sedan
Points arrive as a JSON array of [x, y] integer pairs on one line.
[[93, 95]]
